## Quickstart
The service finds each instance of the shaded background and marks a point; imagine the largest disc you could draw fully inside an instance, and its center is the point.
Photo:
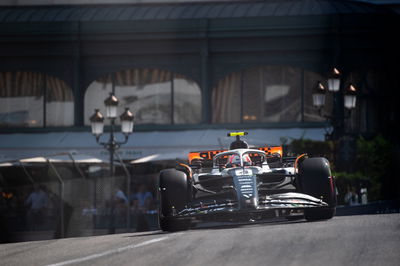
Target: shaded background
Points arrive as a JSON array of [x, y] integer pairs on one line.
[[190, 71]]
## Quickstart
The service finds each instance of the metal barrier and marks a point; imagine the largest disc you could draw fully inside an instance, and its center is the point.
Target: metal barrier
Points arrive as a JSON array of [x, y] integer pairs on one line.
[[78, 194]]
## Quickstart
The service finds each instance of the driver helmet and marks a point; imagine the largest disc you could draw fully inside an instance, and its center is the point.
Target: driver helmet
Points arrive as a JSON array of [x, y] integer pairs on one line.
[[246, 160], [234, 159]]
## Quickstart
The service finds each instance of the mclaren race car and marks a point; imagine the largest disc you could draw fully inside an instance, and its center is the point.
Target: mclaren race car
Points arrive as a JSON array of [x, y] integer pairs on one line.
[[245, 184]]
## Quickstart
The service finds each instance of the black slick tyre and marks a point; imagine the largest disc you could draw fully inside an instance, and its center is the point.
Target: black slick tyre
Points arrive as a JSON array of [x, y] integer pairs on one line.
[[315, 179], [319, 214], [174, 196]]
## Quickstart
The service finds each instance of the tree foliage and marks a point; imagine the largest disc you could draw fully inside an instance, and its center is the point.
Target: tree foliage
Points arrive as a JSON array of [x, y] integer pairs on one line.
[[375, 162]]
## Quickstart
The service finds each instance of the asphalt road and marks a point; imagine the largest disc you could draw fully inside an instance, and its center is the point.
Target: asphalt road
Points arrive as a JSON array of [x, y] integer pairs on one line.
[[345, 240]]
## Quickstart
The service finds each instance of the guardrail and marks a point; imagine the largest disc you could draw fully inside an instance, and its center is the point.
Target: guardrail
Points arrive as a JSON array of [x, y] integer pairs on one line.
[[379, 207]]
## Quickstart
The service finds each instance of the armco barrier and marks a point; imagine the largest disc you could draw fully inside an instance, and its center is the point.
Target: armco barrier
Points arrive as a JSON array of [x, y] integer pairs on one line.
[[379, 207]]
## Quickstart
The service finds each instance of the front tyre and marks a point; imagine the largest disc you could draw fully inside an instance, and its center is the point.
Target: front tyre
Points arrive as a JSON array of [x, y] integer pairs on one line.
[[319, 214], [315, 179], [169, 224], [174, 196]]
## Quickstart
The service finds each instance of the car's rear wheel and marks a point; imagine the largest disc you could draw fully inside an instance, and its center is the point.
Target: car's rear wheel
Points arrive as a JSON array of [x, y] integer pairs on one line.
[[174, 196], [315, 179]]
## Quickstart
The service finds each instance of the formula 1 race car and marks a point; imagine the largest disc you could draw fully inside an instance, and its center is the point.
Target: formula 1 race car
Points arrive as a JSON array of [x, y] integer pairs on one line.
[[243, 184]]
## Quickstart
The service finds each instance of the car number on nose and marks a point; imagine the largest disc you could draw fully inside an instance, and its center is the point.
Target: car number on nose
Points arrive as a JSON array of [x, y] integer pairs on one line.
[[240, 172]]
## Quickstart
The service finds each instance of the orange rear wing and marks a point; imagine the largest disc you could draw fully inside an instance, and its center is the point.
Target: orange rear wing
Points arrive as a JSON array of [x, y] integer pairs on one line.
[[203, 155], [272, 149], [207, 156]]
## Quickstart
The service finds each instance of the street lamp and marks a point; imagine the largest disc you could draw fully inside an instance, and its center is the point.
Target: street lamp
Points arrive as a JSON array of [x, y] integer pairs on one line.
[[126, 122], [350, 97], [342, 101], [334, 80], [97, 124], [111, 103], [319, 95]]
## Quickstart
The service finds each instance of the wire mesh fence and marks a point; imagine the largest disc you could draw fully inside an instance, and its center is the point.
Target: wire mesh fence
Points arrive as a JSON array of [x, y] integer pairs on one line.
[[56, 201]]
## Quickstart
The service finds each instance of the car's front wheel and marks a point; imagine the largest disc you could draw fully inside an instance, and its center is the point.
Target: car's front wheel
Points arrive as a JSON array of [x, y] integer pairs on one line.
[[173, 196], [315, 179]]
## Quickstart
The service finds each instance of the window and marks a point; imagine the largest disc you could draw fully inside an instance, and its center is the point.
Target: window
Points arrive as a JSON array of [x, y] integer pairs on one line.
[[30, 99], [265, 94], [155, 96]]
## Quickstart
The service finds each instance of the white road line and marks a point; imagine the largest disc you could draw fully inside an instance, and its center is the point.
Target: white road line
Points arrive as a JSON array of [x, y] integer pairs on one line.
[[109, 252]]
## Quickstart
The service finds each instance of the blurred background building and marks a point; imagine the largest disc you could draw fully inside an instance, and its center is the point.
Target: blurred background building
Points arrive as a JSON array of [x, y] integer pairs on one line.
[[189, 65], [190, 71]]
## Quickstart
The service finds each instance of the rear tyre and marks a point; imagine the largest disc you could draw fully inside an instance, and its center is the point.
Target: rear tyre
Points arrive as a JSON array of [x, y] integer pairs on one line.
[[315, 179], [174, 196]]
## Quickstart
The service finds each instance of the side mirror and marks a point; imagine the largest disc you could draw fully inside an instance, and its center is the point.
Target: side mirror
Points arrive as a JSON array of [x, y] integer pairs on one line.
[[273, 158], [196, 164]]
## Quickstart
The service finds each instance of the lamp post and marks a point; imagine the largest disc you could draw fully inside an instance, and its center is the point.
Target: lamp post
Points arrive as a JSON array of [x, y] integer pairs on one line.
[[344, 101], [97, 124]]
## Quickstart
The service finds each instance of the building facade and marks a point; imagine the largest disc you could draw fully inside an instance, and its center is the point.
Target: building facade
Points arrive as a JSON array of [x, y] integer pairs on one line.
[[192, 66]]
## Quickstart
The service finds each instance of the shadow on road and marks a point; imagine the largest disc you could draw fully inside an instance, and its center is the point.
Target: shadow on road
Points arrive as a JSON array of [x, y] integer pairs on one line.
[[227, 225], [148, 233], [230, 225]]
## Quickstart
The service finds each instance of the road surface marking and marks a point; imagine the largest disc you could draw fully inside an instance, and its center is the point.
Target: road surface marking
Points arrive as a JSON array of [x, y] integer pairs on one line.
[[109, 252]]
